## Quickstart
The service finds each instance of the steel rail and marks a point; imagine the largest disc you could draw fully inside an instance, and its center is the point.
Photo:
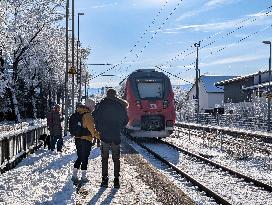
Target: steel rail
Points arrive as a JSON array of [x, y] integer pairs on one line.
[[219, 199], [224, 168]]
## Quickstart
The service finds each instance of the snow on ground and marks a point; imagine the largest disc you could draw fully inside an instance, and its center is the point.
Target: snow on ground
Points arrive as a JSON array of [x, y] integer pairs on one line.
[[253, 166], [234, 189], [45, 178], [200, 198]]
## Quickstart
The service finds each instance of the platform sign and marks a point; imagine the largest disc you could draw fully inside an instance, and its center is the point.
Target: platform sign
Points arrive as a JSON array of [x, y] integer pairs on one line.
[[72, 71]]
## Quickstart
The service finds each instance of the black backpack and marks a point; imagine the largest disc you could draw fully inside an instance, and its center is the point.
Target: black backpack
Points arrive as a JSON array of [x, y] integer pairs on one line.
[[76, 125]]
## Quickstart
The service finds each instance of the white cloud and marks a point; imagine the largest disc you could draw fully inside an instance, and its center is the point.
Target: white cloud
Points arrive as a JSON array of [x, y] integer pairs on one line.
[[187, 15], [231, 24], [104, 5], [235, 59], [152, 3], [170, 32], [261, 14], [212, 4]]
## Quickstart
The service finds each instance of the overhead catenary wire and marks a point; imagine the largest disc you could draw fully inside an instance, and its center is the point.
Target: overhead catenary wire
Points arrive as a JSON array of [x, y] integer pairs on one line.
[[189, 65], [222, 37], [144, 33], [192, 66], [228, 46], [174, 75], [138, 41], [137, 56], [154, 34]]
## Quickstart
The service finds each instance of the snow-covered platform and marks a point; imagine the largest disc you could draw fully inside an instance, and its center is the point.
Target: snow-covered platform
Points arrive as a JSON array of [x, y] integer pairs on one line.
[[45, 178]]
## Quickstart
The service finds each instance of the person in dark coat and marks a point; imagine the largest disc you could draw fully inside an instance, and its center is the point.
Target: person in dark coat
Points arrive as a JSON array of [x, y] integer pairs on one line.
[[110, 117], [54, 125]]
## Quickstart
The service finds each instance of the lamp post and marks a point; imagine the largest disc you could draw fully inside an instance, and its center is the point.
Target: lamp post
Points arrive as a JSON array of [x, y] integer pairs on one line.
[[269, 87], [197, 45], [78, 66], [73, 55], [67, 68]]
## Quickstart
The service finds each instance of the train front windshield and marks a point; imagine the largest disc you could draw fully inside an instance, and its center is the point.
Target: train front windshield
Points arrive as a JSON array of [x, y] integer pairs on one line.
[[150, 88]]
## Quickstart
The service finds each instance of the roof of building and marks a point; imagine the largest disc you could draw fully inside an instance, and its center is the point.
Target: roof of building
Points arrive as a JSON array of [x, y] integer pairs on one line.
[[238, 78], [210, 80], [255, 87], [209, 83]]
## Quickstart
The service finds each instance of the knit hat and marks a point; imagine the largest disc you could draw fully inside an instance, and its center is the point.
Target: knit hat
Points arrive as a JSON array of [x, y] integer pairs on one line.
[[90, 104]]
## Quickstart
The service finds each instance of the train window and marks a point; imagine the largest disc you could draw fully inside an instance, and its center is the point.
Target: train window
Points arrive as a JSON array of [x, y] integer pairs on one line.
[[150, 89]]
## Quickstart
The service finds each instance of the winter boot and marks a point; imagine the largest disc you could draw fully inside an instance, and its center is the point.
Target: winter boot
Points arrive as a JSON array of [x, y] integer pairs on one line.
[[84, 178], [74, 176], [116, 183], [105, 182]]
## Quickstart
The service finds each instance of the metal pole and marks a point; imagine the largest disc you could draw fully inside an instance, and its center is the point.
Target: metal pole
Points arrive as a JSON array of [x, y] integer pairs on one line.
[[73, 54], [269, 89], [269, 99], [67, 68], [79, 57], [80, 79], [197, 45], [86, 86], [77, 37]]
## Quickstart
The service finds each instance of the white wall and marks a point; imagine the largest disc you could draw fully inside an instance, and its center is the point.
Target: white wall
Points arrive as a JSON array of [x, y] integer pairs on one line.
[[215, 98], [206, 100], [203, 96]]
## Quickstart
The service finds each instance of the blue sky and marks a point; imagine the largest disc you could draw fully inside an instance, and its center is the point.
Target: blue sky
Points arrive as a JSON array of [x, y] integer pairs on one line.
[[111, 29]]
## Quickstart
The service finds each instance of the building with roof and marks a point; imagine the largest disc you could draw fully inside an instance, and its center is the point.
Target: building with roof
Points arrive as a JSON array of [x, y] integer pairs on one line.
[[210, 96], [244, 88]]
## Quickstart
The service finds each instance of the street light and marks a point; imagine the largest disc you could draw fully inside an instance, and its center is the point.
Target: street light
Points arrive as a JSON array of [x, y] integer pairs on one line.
[[197, 45], [78, 67], [73, 55], [269, 87], [67, 68]]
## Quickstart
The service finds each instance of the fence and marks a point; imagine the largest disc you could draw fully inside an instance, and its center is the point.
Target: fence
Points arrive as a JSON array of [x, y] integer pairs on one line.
[[227, 120], [13, 148], [9, 127], [237, 142]]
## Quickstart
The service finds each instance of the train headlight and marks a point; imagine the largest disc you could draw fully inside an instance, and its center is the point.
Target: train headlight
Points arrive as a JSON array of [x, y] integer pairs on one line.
[[138, 104], [165, 104]]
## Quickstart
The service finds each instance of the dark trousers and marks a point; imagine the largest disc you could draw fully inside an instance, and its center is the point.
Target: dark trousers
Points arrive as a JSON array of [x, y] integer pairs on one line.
[[54, 140], [83, 151], [97, 141], [115, 150]]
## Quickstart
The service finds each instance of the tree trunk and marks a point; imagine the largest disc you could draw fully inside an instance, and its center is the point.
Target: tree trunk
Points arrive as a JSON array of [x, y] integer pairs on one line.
[[34, 107], [14, 104]]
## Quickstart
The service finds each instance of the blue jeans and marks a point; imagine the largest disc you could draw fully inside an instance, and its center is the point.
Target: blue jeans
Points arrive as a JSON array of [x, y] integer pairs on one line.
[[54, 140]]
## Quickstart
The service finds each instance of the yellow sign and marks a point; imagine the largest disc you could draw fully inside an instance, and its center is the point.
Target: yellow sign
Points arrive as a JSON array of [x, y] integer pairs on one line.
[[72, 71]]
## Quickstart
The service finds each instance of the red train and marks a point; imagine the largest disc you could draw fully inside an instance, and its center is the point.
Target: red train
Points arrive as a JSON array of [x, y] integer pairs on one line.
[[151, 108]]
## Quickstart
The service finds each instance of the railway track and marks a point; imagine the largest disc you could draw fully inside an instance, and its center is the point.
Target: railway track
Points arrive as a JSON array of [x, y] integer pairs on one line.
[[212, 168], [229, 142]]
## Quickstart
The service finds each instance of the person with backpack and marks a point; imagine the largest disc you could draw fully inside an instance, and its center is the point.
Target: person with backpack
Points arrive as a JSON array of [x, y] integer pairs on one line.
[[54, 125], [82, 127], [110, 117]]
